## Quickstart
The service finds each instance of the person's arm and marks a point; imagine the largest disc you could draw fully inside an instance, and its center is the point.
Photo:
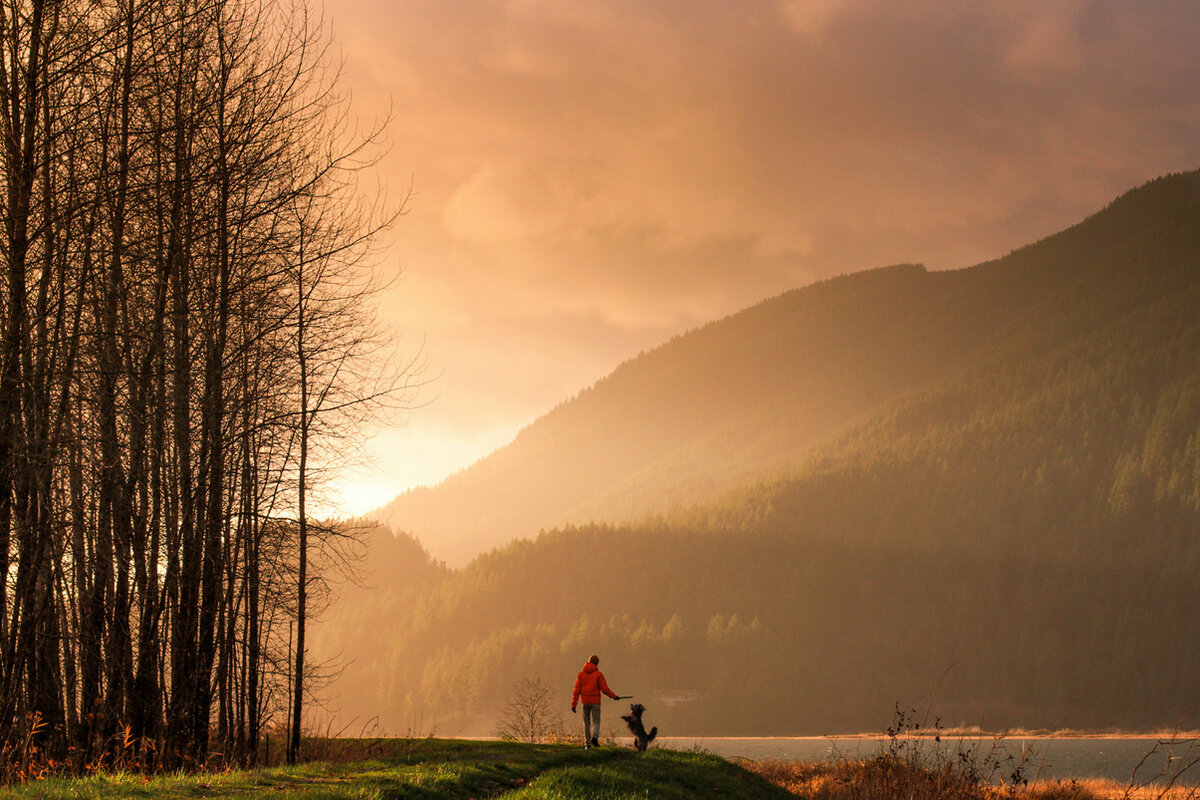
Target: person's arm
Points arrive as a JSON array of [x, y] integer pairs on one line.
[[604, 688], [575, 694]]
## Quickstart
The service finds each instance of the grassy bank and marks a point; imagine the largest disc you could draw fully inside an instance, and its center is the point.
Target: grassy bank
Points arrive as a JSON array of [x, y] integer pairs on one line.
[[437, 769]]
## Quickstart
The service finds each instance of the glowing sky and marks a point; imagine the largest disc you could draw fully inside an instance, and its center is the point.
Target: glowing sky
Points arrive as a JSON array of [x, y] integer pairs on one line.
[[594, 176]]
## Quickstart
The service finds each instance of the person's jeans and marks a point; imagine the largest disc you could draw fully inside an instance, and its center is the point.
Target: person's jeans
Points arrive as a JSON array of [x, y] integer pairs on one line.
[[591, 723]]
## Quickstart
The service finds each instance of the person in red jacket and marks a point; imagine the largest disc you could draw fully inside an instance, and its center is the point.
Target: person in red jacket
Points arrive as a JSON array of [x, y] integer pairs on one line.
[[588, 686]]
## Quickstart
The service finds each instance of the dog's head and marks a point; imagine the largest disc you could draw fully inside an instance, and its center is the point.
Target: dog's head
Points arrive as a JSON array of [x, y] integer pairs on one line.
[[636, 709]]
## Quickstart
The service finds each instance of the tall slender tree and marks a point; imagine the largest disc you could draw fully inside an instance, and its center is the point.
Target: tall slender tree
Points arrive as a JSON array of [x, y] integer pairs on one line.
[[182, 328]]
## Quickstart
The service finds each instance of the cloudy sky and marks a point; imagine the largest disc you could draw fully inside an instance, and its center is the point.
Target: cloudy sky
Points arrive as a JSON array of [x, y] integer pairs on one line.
[[594, 176]]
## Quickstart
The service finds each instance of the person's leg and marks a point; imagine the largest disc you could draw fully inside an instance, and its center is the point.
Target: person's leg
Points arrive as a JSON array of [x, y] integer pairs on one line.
[[591, 724], [587, 725]]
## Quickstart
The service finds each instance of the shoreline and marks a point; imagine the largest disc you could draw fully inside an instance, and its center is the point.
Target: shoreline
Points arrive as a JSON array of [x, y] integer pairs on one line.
[[963, 734]]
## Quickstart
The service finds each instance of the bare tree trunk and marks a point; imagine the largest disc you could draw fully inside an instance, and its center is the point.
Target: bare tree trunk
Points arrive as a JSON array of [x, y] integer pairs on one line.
[[18, 501], [155, 153], [302, 490]]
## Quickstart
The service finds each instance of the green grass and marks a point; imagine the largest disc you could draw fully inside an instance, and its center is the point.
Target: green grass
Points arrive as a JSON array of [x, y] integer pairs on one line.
[[440, 769], [666, 774]]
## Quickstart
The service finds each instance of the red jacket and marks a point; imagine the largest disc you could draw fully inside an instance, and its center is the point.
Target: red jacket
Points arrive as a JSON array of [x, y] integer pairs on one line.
[[589, 685]]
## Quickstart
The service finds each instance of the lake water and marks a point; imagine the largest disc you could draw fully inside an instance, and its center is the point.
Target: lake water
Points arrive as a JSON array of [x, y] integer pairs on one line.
[[1051, 757]]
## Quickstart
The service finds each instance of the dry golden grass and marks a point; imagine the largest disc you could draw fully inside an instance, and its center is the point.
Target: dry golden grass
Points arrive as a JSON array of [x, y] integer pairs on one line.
[[898, 779], [874, 779], [1113, 790]]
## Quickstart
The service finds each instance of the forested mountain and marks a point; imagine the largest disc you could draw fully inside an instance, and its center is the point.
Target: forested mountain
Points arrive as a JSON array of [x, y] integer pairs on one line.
[[697, 416], [751, 394], [976, 491]]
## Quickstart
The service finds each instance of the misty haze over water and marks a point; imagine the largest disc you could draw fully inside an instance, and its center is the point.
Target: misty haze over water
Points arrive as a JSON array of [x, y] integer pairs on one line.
[[1114, 759]]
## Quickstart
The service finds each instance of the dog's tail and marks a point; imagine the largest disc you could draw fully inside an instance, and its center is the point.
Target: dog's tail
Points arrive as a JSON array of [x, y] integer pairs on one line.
[[653, 732]]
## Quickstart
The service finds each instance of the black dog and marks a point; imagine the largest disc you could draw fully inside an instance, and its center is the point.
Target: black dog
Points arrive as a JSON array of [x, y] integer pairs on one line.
[[634, 720]]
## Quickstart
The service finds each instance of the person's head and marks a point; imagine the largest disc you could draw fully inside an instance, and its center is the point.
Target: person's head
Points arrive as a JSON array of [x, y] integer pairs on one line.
[[595, 660]]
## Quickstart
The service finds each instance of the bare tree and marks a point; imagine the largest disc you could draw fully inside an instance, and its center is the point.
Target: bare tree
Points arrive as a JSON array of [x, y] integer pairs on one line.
[[183, 332], [528, 714]]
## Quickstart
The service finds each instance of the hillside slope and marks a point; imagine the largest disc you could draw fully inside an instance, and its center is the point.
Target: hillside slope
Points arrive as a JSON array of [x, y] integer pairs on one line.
[[748, 397], [1011, 542]]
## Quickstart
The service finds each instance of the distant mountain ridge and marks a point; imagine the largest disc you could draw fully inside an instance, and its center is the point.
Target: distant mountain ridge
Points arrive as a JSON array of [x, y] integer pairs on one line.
[[747, 397], [997, 522]]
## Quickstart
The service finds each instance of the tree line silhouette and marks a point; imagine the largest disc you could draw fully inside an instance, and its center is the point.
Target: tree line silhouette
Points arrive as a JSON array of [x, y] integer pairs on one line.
[[183, 335]]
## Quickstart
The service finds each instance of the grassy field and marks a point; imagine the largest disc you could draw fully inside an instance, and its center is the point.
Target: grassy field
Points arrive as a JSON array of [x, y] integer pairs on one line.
[[433, 769]]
